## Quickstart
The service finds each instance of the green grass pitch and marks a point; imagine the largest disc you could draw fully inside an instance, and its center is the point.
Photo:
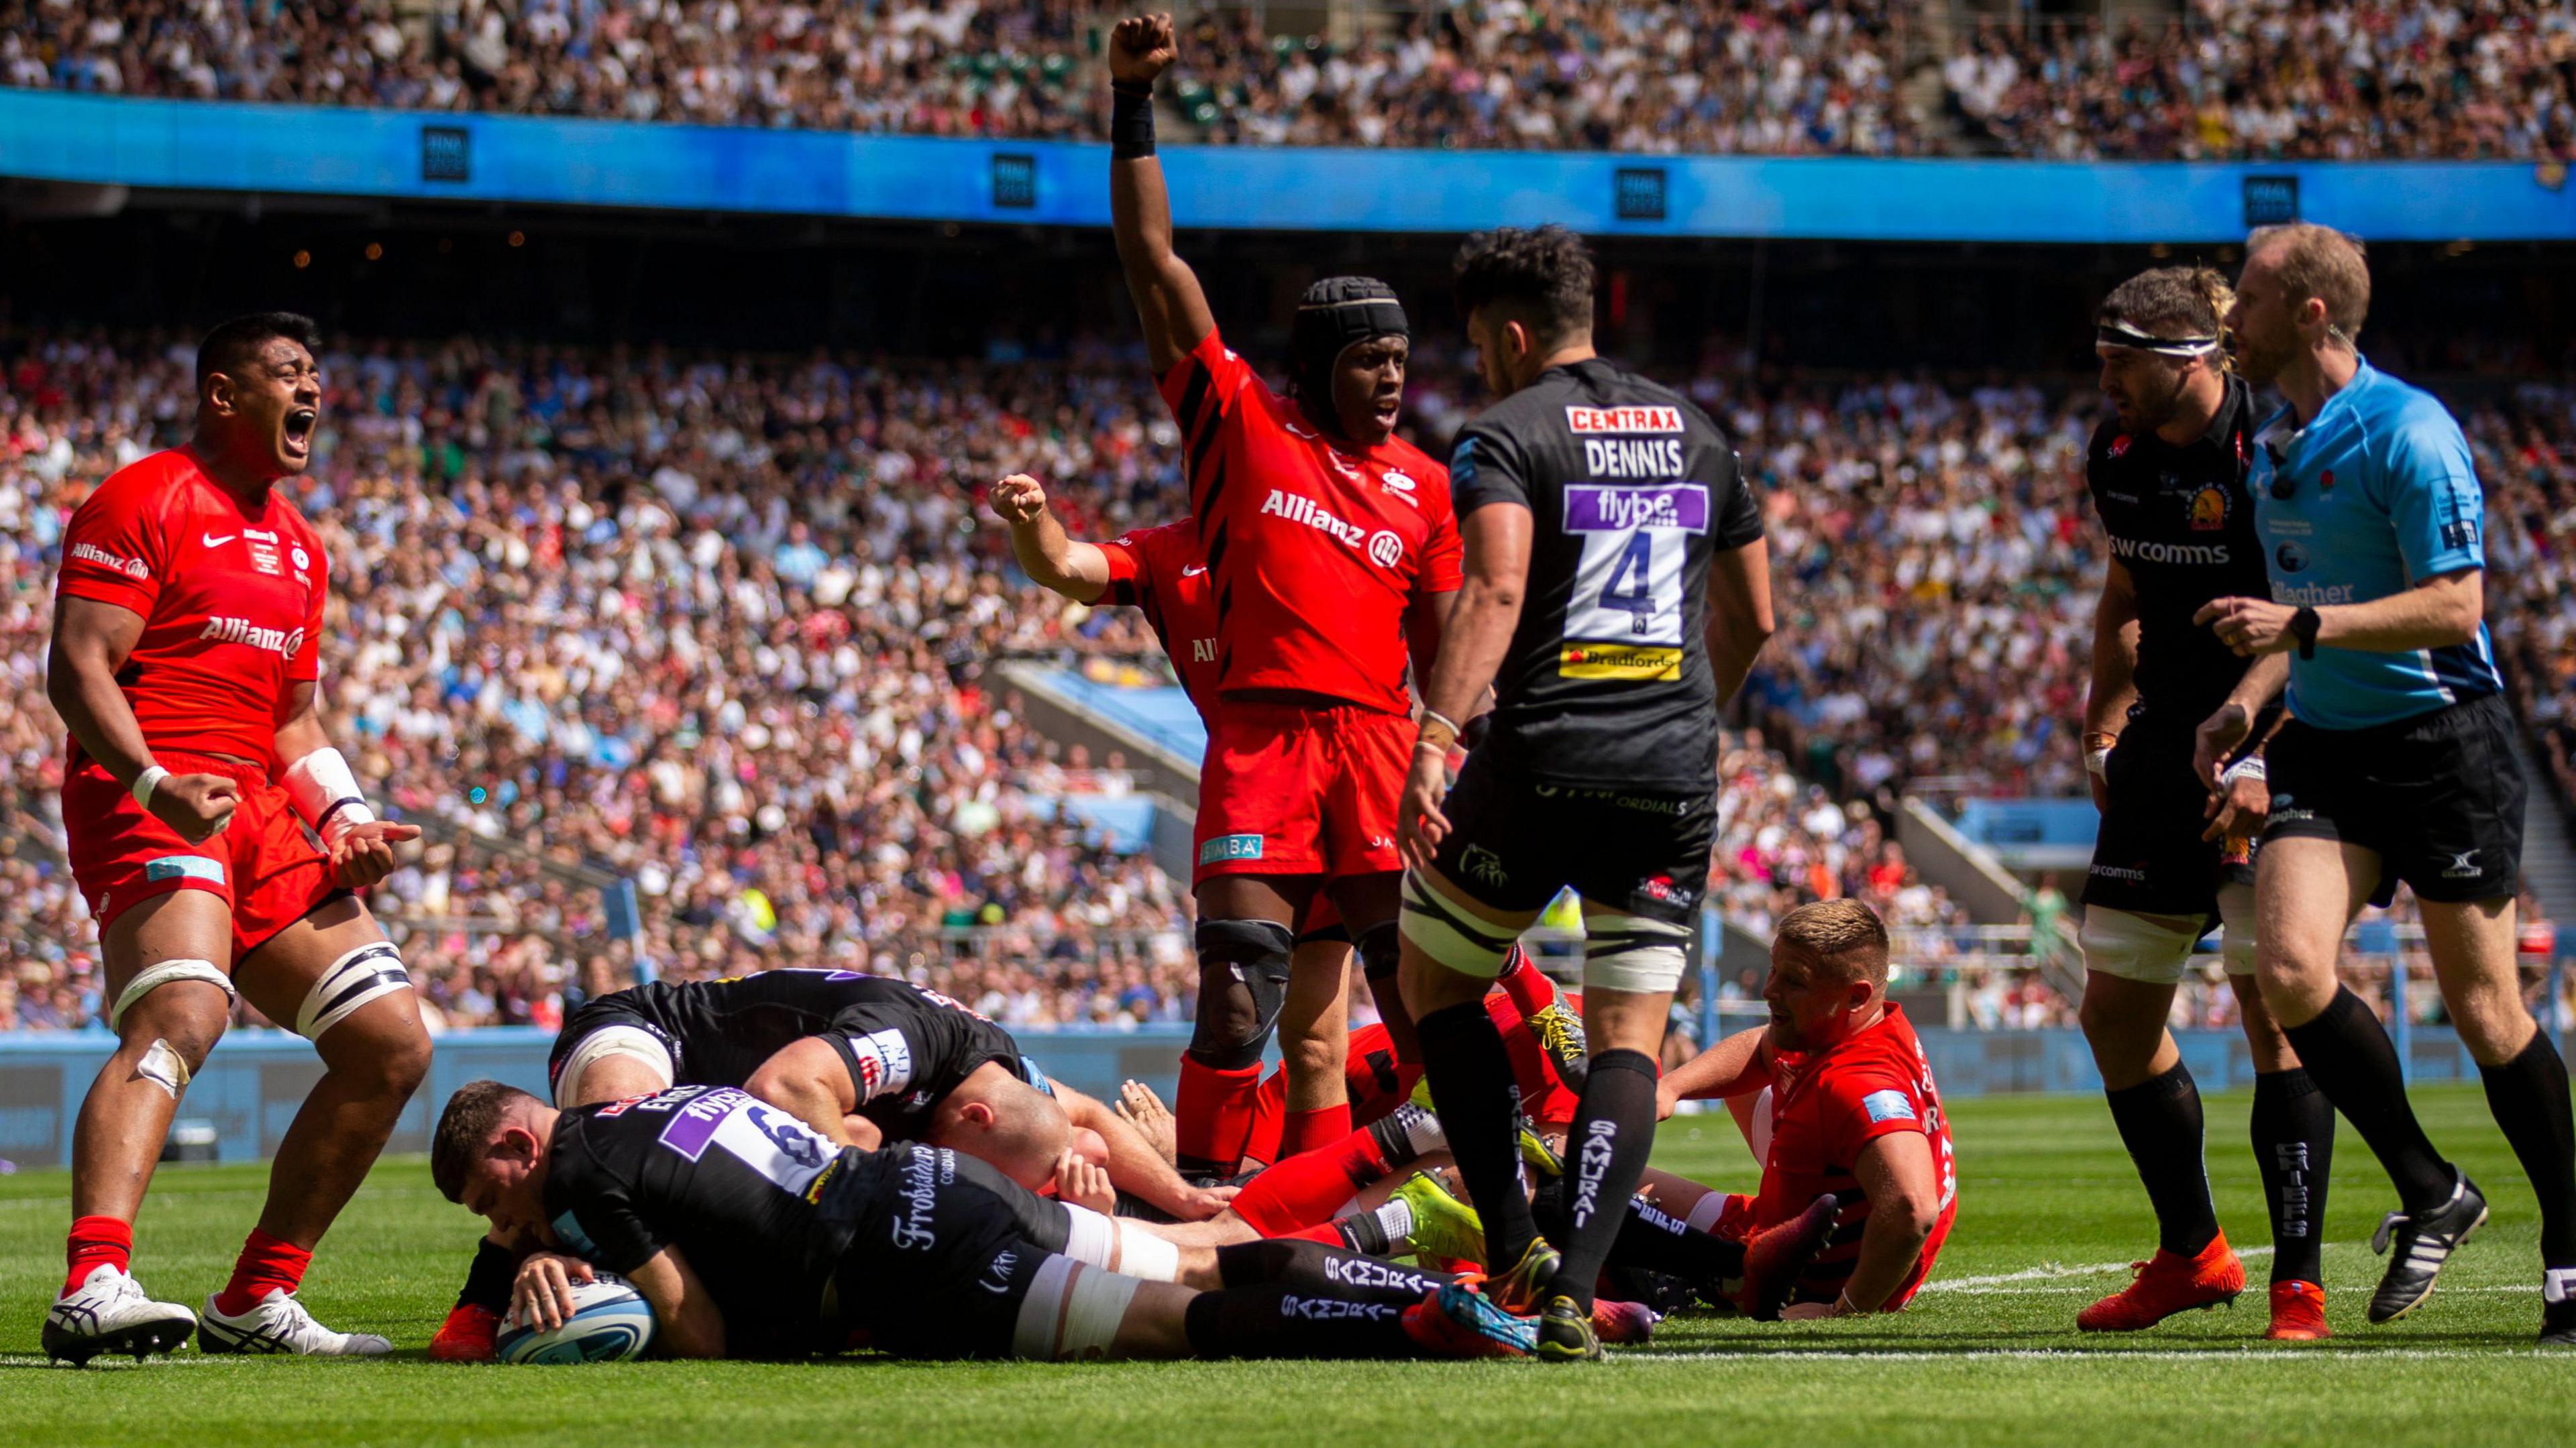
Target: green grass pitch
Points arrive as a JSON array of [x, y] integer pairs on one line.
[[2049, 1216]]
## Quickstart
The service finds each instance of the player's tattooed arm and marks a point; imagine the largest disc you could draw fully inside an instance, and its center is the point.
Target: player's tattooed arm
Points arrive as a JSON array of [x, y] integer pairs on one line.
[[91, 643], [1735, 1066], [1052, 560], [1168, 298], [1739, 614], [689, 1324]]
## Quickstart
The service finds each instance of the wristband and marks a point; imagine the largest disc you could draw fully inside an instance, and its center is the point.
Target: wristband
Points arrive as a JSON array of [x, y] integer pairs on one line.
[[1131, 121], [2250, 767], [1438, 731], [146, 782], [2097, 751], [325, 795]]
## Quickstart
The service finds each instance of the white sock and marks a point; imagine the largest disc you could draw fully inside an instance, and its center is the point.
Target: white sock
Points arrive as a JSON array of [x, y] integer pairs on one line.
[[1395, 1219], [2557, 1284], [1421, 1129]]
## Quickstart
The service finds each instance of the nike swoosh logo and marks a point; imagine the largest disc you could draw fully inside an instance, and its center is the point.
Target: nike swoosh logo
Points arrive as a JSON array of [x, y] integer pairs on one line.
[[211, 541], [1194, 572]]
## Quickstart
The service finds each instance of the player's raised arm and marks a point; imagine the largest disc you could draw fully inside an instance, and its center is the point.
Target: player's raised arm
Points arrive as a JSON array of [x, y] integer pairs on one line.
[[1054, 561], [1168, 299]]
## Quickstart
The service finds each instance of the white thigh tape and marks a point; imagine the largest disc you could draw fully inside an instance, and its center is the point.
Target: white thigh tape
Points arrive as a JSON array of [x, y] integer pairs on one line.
[[353, 980], [2236, 932], [152, 978], [1072, 1311], [1632, 952], [597, 1046], [1705, 1212], [1091, 1236], [1451, 934], [2132, 947], [1143, 1255]]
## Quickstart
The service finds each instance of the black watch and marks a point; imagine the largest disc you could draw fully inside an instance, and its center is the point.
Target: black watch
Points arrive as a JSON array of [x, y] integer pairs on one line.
[[2303, 627]]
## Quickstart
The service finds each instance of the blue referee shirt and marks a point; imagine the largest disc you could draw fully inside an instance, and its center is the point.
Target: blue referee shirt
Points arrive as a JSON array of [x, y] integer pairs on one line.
[[2380, 496]]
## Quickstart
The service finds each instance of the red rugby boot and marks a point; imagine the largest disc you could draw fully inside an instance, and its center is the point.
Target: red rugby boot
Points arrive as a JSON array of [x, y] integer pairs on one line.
[[2166, 1284], [2298, 1312], [467, 1335]]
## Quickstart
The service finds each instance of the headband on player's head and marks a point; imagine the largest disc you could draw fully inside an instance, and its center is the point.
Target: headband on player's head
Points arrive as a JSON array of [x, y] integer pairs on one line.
[[1334, 315], [2120, 332]]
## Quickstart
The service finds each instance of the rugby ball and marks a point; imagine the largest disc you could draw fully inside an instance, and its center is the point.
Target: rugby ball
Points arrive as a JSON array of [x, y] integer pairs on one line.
[[610, 1322]]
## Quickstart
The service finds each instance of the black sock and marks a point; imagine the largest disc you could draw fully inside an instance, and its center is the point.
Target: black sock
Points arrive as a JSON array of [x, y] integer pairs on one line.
[[487, 1282], [1650, 1240], [2528, 1095], [1282, 1322], [2348, 1054], [1324, 1271], [1396, 1134], [1614, 1133], [1363, 1232], [1478, 1097], [2293, 1131], [2160, 1123]]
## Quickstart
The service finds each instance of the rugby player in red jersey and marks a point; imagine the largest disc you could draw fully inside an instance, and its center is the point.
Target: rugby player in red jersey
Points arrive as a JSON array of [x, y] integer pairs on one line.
[[187, 626], [1333, 549], [1852, 1112]]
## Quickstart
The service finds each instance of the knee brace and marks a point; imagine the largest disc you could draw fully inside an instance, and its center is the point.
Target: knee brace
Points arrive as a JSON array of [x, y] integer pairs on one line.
[[1632, 952], [353, 980], [2236, 932], [1246, 963], [153, 977], [2133, 947], [1447, 932], [1072, 1311], [1380, 947]]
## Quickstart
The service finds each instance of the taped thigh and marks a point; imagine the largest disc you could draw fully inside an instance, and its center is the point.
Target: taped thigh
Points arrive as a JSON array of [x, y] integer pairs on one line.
[[153, 977], [2133, 947], [598, 1045], [352, 981], [2236, 929], [1440, 925], [1072, 1311], [1636, 953], [1089, 1237]]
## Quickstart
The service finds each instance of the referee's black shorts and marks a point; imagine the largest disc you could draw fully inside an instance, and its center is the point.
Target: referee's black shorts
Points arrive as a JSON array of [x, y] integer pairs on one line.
[[2439, 797]]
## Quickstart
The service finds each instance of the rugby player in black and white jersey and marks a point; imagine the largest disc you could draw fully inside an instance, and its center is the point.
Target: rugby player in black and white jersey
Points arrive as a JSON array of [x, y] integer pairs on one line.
[[753, 1234], [863, 1059], [2167, 473], [1616, 590]]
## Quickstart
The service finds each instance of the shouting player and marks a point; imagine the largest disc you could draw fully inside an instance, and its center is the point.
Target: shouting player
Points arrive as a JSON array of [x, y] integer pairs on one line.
[[218, 836], [2397, 764], [2167, 472], [1616, 591], [1332, 548]]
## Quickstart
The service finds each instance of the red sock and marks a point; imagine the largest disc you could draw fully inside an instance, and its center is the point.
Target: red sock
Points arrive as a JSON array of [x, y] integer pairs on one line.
[[1214, 1115], [265, 1263], [1304, 1131], [96, 1241], [1528, 986], [1307, 1189], [1269, 1107]]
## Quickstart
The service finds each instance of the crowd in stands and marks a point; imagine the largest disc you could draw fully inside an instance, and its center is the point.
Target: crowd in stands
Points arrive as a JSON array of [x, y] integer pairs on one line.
[[2229, 78], [727, 628]]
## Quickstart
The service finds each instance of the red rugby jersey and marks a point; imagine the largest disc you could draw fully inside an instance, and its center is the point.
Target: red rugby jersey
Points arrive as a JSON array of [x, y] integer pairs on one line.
[[1315, 551], [1827, 1106], [1163, 572], [231, 600]]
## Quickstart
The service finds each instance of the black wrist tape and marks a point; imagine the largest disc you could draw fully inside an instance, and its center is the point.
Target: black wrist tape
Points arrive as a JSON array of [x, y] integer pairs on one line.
[[1131, 121]]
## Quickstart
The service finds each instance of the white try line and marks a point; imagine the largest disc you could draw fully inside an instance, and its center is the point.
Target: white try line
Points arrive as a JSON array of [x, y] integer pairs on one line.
[[118, 1362], [2307, 1352], [2050, 1272]]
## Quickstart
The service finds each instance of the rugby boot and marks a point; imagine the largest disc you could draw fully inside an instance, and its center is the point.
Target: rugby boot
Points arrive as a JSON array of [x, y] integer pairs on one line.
[[468, 1335], [2558, 1323], [278, 1323], [1623, 1322], [2423, 1241], [2166, 1284], [1443, 1226], [1457, 1321], [1565, 1333], [1776, 1259], [2298, 1312], [109, 1313], [1520, 1290]]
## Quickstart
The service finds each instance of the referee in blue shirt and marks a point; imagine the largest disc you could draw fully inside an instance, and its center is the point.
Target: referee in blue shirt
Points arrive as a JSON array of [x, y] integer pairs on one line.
[[2397, 763]]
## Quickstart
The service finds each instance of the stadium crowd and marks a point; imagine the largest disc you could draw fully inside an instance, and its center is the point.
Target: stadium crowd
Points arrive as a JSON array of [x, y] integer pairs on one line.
[[2260, 78], [724, 627]]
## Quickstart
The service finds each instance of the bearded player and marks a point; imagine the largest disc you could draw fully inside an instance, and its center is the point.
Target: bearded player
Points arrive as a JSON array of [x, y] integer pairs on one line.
[[218, 838], [1333, 548]]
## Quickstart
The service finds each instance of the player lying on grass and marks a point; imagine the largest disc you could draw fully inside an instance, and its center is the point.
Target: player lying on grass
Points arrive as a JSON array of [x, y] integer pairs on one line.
[[752, 1234], [862, 1059], [1841, 1103]]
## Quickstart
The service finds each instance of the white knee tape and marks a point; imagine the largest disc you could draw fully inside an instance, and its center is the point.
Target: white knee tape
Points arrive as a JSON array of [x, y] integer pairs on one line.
[[1441, 928], [2236, 930], [1144, 1256], [1632, 952], [597, 1046], [1090, 1237], [353, 980], [1072, 1311], [2132, 947], [152, 978], [1705, 1212], [162, 1067]]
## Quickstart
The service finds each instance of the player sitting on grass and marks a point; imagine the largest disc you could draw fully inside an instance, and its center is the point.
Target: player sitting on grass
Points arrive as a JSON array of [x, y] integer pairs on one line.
[[1843, 1104], [862, 1059], [752, 1234]]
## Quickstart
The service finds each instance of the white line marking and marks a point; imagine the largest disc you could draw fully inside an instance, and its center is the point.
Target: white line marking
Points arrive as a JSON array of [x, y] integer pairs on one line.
[[2049, 1272], [2250, 1353]]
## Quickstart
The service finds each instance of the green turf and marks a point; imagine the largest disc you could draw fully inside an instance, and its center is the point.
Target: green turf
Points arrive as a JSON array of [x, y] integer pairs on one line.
[[2046, 1194]]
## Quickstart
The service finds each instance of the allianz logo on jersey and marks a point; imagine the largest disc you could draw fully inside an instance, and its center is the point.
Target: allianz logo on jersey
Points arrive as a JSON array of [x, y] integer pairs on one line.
[[92, 553], [1592, 508], [1384, 547], [1623, 419], [2207, 555], [285, 643]]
